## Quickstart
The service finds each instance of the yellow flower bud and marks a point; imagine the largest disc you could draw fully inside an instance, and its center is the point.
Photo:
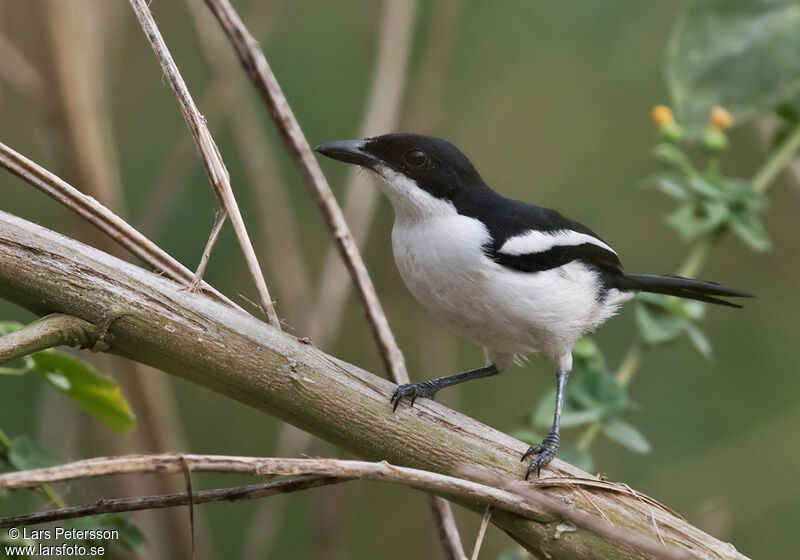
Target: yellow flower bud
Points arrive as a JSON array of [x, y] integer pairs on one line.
[[662, 115], [720, 119]]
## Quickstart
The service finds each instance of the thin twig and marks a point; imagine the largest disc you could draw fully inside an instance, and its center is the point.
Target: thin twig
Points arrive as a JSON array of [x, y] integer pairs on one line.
[[519, 499], [100, 217], [396, 32], [387, 89], [487, 515], [255, 64], [216, 229], [103, 505], [187, 478], [82, 38], [767, 133], [361, 199], [446, 528], [277, 220], [582, 519], [265, 523], [280, 229], [212, 160], [779, 160], [218, 100], [52, 496], [278, 224]]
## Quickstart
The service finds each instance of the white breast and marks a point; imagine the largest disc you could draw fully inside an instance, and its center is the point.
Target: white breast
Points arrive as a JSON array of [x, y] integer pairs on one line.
[[439, 254], [504, 310]]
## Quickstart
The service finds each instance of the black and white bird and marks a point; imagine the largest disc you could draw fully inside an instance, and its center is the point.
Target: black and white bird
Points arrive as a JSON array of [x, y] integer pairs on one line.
[[512, 277]]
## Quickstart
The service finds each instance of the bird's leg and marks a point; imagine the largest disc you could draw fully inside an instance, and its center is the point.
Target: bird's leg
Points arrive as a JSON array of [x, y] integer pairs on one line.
[[546, 451], [428, 389]]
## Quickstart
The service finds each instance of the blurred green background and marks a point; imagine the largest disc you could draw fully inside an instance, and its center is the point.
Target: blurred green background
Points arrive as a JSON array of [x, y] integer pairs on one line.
[[551, 102]]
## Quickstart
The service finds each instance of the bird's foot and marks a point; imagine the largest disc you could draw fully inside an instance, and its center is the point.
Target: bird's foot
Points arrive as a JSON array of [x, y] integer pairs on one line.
[[545, 452], [413, 390]]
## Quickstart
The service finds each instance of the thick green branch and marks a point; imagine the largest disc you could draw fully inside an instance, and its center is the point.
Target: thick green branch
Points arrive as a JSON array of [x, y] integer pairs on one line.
[[50, 331], [234, 354]]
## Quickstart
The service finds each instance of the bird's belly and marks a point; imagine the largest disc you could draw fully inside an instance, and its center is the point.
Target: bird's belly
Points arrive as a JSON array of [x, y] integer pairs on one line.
[[505, 310]]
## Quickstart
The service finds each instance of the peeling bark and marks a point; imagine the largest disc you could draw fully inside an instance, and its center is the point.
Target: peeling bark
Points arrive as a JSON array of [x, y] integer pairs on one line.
[[154, 321]]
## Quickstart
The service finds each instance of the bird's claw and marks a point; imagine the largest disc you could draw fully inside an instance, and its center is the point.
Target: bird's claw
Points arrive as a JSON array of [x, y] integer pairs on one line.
[[413, 390], [545, 453]]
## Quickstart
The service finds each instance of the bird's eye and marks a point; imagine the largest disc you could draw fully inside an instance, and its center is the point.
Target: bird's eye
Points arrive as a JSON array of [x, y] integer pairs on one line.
[[416, 158]]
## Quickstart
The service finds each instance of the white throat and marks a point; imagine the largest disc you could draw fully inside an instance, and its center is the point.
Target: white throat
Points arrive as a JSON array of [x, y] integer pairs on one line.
[[410, 202]]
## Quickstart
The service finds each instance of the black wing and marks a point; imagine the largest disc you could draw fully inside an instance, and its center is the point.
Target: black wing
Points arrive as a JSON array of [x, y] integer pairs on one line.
[[560, 255], [506, 218], [519, 218]]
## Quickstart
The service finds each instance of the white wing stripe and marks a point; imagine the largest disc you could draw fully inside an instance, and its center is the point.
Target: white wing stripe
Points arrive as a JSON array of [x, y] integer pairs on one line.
[[535, 241]]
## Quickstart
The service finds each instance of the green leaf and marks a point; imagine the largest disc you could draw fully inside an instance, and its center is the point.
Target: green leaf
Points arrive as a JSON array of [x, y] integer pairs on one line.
[[543, 416], [572, 418], [580, 458], [692, 309], [739, 54], [699, 340], [593, 395], [95, 393], [25, 454], [594, 388], [671, 184], [528, 436], [7, 327], [704, 186], [586, 349], [5, 541], [27, 365], [130, 536], [788, 113], [695, 219], [749, 229], [781, 136], [626, 435], [656, 326], [672, 154]]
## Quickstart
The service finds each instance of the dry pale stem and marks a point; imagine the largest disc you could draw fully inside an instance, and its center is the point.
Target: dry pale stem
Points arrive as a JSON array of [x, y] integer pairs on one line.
[[361, 199], [212, 160], [255, 64], [101, 217]]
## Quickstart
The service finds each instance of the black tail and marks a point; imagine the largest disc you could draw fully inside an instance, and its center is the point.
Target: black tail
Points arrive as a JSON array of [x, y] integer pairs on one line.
[[680, 287]]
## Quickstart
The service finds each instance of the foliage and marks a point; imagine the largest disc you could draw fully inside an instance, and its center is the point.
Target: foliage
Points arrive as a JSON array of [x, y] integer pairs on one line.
[[662, 319], [739, 54], [130, 536], [22, 453], [593, 396], [709, 201], [95, 393]]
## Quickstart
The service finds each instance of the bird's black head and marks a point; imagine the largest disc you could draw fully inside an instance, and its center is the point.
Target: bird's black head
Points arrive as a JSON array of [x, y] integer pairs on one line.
[[432, 164]]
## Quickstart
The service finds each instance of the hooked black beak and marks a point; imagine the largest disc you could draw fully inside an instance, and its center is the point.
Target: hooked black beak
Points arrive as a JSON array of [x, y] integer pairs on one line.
[[349, 151]]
